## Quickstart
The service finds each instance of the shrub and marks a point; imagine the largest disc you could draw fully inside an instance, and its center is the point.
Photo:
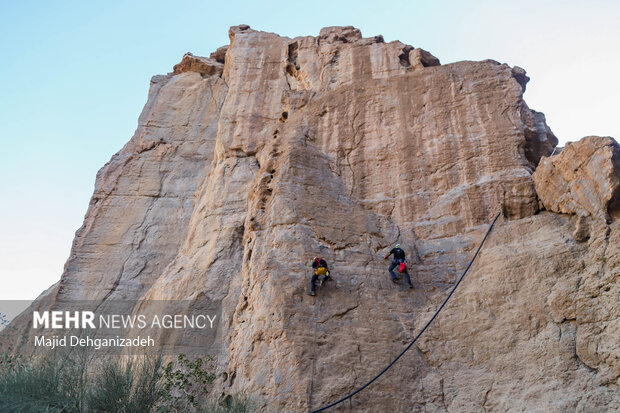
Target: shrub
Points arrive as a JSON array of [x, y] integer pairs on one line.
[[71, 382], [42, 384], [185, 387], [125, 387]]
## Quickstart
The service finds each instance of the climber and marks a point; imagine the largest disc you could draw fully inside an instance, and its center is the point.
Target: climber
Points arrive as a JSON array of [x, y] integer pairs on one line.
[[320, 273], [398, 261]]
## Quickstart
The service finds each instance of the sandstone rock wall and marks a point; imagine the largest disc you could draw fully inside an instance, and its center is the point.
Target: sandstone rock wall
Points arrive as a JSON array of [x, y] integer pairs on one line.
[[144, 197], [583, 179], [247, 164]]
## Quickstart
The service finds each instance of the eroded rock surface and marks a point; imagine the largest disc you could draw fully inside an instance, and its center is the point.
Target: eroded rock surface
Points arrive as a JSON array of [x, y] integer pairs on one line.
[[203, 65], [341, 146], [584, 179]]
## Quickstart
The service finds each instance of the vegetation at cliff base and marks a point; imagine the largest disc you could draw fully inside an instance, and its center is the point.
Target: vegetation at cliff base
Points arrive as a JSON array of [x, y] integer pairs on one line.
[[76, 382]]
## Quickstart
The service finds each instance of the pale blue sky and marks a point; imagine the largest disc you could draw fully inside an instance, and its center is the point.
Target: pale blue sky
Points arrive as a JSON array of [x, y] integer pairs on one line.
[[75, 76]]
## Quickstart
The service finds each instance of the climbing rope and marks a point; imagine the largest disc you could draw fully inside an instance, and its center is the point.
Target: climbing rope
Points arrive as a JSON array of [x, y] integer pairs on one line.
[[312, 368], [421, 331]]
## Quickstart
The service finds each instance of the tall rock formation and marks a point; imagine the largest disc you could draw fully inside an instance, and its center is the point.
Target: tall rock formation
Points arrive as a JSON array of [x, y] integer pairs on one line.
[[248, 163]]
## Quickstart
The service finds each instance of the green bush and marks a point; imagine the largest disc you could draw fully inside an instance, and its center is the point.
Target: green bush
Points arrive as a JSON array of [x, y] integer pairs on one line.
[[74, 382], [125, 387], [43, 384], [185, 386]]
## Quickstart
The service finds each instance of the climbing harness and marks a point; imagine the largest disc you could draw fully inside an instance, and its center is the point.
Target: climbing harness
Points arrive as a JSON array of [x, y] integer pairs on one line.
[[421, 331]]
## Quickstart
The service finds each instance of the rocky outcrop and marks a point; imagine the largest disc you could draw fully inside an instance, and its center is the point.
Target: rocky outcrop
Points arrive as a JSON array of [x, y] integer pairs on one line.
[[340, 146], [204, 66], [584, 179]]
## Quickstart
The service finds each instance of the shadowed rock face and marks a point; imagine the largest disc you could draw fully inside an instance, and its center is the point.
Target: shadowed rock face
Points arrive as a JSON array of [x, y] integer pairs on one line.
[[247, 164]]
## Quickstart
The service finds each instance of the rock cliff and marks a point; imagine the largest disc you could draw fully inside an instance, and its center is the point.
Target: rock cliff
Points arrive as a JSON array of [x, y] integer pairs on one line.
[[248, 163]]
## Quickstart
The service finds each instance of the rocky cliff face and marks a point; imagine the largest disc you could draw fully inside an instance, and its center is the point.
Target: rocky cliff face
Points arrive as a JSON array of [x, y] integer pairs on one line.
[[248, 163]]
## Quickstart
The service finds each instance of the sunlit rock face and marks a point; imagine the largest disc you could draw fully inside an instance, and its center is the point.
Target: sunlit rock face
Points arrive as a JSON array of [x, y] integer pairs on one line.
[[584, 179], [247, 164]]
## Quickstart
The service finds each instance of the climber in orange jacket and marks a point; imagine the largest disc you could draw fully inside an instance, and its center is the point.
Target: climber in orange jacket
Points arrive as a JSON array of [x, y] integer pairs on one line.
[[319, 267], [400, 262]]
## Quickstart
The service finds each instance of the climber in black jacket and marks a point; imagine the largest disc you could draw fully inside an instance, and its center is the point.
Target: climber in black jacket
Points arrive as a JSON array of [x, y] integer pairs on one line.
[[398, 261], [319, 267]]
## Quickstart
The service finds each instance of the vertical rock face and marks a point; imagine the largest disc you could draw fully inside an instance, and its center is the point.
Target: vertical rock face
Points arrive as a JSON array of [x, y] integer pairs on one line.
[[144, 197], [247, 164]]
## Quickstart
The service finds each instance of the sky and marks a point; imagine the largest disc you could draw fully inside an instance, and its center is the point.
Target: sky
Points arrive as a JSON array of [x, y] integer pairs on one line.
[[75, 75]]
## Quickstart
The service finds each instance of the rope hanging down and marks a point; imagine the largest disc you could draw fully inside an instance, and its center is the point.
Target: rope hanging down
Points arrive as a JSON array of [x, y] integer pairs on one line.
[[421, 331]]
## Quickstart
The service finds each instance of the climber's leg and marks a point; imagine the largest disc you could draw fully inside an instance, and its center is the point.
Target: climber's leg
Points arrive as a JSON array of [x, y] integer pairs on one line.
[[408, 278], [393, 265], [313, 284]]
